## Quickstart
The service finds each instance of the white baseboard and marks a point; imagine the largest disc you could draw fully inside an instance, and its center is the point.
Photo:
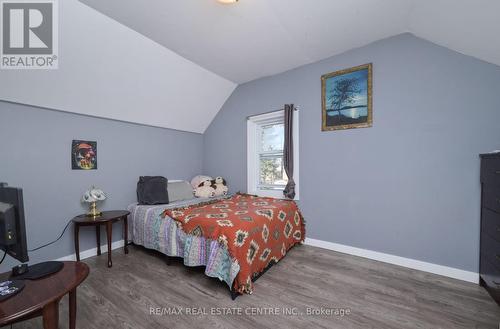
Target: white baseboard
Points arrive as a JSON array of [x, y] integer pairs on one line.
[[93, 251], [451, 272], [447, 271]]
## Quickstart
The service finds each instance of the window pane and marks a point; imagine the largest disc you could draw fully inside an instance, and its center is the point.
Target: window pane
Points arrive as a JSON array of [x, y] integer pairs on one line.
[[272, 137], [272, 171]]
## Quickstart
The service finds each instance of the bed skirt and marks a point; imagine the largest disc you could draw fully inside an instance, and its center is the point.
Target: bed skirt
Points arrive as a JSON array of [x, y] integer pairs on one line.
[[148, 229]]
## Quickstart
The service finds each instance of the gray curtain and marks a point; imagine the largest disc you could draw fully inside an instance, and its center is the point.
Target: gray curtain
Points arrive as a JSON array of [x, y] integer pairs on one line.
[[289, 190]]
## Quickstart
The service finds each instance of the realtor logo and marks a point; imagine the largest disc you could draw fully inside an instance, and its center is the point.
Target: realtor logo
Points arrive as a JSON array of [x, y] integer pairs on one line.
[[29, 36]]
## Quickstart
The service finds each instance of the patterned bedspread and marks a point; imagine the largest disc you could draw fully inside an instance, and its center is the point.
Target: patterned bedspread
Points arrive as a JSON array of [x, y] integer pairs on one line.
[[149, 228], [256, 231]]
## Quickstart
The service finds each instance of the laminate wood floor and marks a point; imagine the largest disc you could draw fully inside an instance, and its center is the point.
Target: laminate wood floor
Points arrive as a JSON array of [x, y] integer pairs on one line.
[[378, 295]]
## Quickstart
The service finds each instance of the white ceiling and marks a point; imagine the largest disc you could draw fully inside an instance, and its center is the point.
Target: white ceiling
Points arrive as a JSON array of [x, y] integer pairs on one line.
[[471, 27], [257, 38]]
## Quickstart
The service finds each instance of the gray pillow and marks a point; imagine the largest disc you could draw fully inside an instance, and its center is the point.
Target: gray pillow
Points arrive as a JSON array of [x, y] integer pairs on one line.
[[179, 190]]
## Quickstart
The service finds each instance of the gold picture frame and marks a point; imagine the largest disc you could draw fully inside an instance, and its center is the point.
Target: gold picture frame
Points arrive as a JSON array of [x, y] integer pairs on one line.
[[346, 98]]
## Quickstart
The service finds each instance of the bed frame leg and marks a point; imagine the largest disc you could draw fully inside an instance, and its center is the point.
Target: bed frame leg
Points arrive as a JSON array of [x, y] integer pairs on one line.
[[234, 294]]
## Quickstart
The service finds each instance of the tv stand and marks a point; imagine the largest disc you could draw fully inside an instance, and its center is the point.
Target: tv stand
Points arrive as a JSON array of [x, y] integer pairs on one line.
[[40, 270]]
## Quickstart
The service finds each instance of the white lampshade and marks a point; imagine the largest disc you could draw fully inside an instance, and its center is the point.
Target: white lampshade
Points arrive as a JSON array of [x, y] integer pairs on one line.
[[227, 1], [93, 195]]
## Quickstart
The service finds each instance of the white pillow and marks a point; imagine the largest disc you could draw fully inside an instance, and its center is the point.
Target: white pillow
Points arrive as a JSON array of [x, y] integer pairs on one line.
[[179, 190]]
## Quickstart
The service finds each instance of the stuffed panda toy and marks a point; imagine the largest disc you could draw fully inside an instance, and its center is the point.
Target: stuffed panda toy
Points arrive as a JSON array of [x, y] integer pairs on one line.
[[197, 180], [204, 189], [220, 186]]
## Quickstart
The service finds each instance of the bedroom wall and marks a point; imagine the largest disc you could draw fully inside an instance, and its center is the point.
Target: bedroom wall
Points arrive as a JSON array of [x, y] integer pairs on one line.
[[408, 186], [35, 147]]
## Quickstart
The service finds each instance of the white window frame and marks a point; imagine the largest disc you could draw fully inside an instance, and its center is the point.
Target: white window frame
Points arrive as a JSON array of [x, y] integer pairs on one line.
[[253, 139]]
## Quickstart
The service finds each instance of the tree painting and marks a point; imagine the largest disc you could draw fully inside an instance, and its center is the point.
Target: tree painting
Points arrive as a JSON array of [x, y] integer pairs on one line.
[[343, 94], [347, 98]]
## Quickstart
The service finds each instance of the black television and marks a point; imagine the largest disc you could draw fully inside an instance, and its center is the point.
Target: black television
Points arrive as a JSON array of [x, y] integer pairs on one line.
[[12, 228]]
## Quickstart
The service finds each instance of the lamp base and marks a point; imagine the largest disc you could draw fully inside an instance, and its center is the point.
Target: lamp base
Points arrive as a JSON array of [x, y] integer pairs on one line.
[[97, 214], [93, 212]]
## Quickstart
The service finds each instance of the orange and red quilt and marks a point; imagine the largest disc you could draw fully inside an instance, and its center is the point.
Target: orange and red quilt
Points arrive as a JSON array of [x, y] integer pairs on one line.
[[257, 231]]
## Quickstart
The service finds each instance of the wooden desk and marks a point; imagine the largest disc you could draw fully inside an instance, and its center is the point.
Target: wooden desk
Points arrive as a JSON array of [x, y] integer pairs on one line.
[[107, 218], [41, 297]]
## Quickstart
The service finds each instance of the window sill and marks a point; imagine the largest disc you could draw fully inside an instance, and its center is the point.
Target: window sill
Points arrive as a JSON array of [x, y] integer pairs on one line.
[[272, 193]]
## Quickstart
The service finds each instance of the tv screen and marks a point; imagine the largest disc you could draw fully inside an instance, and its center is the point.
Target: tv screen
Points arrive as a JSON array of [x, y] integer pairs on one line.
[[12, 229]]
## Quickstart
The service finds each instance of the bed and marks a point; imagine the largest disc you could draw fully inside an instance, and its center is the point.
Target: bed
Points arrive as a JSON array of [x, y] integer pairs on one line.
[[236, 238]]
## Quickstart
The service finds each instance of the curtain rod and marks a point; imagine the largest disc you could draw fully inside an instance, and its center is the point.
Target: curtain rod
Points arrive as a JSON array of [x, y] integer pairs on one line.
[[256, 115]]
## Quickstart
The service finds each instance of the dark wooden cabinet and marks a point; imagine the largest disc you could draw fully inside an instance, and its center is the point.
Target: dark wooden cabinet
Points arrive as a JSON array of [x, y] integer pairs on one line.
[[489, 268]]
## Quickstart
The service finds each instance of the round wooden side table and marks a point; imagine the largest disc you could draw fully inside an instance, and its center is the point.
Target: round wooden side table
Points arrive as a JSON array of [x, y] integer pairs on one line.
[[41, 297], [107, 218]]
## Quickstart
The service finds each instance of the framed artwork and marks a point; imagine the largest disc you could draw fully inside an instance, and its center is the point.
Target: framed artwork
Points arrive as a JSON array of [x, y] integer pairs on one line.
[[346, 98], [83, 155]]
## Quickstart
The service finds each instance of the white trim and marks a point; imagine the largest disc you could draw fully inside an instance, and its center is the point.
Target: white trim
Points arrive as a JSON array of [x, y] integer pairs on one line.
[[253, 124], [93, 251], [450, 272], [296, 155], [447, 271], [251, 151]]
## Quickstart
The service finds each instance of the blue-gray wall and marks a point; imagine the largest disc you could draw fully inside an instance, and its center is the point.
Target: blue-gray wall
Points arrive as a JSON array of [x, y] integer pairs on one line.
[[35, 148], [408, 186]]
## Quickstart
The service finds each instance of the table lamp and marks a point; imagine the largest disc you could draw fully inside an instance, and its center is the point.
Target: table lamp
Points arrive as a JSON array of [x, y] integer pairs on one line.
[[92, 196]]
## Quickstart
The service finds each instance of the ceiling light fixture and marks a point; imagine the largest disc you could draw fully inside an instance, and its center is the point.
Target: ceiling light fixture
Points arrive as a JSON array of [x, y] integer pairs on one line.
[[227, 2]]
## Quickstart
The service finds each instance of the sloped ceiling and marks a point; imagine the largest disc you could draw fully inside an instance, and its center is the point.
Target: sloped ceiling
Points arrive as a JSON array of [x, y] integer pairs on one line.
[[108, 70], [470, 27], [257, 38]]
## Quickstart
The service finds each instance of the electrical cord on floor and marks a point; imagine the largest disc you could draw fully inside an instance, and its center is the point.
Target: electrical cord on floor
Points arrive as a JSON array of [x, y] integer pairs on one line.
[[3, 257], [48, 244]]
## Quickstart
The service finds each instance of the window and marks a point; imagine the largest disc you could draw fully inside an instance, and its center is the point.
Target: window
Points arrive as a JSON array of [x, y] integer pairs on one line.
[[266, 173]]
